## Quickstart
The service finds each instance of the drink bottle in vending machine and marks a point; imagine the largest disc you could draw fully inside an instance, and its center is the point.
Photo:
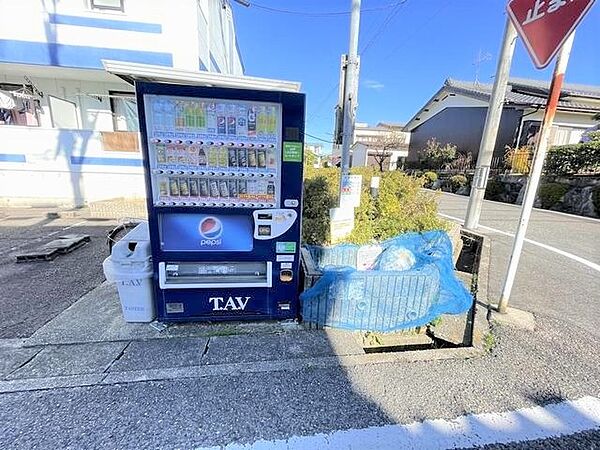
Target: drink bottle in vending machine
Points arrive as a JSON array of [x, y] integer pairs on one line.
[[224, 227]]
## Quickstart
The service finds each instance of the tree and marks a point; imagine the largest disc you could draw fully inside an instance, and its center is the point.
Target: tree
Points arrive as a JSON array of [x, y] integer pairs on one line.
[[381, 149], [435, 156]]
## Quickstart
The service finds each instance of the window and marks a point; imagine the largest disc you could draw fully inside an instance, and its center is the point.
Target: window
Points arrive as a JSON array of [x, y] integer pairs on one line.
[[110, 5], [124, 111], [19, 105], [559, 134]]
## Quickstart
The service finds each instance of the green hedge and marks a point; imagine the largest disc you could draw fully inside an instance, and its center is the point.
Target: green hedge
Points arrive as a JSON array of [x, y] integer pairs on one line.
[[430, 178], [457, 181], [573, 159], [400, 207], [551, 193], [494, 190]]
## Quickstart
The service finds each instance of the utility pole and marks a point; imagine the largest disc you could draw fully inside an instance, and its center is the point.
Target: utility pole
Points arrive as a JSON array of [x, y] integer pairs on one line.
[[350, 90], [536, 169], [490, 130]]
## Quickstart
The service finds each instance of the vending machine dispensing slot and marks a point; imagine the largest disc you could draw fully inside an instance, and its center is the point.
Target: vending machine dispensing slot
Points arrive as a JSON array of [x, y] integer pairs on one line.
[[202, 275]]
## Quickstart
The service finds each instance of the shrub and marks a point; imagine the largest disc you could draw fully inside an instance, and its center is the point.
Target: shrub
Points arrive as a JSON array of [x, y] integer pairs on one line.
[[430, 178], [318, 198], [462, 162], [457, 181], [518, 160], [494, 190], [401, 206], [551, 193], [436, 156], [573, 159]]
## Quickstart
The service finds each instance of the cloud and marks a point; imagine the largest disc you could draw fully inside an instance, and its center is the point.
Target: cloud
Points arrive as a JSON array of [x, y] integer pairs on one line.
[[374, 84]]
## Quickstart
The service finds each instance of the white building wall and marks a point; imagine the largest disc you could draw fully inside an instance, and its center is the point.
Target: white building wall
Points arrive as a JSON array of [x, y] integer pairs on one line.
[[186, 31], [94, 112], [64, 167], [36, 163], [567, 118]]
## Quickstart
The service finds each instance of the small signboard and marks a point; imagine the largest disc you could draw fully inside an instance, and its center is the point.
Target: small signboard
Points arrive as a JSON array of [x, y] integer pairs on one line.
[[292, 151], [341, 223], [545, 25], [350, 193]]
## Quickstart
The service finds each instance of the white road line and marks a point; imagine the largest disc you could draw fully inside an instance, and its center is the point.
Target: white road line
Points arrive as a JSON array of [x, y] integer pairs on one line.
[[558, 251], [550, 421], [537, 210]]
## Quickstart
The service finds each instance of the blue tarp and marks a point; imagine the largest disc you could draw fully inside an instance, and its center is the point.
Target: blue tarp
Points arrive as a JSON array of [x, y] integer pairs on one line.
[[385, 300]]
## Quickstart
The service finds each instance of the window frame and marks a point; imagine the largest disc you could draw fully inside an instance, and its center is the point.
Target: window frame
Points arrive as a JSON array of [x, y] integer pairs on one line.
[[112, 95], [96, 7]]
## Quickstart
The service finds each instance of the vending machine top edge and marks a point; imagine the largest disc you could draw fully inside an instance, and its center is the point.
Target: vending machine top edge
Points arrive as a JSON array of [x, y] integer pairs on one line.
[[223, 171]]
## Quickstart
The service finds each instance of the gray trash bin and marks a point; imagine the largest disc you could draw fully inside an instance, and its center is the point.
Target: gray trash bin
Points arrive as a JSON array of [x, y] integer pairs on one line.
[[130, 267]]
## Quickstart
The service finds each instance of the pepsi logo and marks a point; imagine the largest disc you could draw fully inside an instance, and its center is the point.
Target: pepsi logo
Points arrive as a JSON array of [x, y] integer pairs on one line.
[[210, 228]]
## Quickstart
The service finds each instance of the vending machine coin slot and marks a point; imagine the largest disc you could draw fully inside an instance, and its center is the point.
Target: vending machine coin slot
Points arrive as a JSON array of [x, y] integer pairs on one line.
[[286, 275]]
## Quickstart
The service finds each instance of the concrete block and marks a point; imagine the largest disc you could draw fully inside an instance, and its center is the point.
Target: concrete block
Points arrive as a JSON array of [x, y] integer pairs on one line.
[[64, 360], [161, 353], [13, 358], [515, 318], [267, 347]]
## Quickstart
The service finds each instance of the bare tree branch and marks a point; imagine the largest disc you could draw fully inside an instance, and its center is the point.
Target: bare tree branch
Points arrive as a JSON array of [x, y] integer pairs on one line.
[[381, 150]]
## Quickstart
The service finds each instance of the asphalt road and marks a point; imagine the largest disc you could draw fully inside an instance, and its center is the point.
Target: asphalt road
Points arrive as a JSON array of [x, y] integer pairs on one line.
[[33, 293], [548, 281], [524, 370]]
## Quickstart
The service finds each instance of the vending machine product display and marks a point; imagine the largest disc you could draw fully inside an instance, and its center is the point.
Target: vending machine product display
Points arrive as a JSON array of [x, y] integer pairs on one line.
[[224, 193]]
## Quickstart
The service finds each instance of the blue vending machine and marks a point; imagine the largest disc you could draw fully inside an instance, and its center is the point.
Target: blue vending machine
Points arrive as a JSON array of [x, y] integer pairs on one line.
[[224, 192]]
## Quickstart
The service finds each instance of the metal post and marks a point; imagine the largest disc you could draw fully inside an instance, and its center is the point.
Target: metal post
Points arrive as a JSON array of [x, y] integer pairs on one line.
[[351, 82], [536, 169], [490, 130]]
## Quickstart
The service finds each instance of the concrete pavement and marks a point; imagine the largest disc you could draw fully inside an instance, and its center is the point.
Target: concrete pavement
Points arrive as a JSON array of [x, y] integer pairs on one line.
[[549, 280], [34, 293], [284, 395]]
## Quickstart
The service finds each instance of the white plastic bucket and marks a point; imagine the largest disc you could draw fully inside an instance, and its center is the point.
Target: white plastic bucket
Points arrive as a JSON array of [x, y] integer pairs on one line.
[[135, 290], [130, 268]]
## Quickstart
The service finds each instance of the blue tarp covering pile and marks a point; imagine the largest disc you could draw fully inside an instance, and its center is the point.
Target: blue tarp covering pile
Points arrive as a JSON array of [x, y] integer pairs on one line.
[[404, 282]]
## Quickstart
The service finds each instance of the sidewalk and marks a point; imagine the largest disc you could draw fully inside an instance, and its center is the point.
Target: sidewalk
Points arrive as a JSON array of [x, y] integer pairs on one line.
[[89, 344], [188, 392]]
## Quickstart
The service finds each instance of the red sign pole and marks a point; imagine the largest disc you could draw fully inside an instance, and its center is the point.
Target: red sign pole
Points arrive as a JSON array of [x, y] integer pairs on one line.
[[536, 169]]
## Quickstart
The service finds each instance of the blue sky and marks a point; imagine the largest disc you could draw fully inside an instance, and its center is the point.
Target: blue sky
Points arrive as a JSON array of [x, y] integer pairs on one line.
[[402, 64]]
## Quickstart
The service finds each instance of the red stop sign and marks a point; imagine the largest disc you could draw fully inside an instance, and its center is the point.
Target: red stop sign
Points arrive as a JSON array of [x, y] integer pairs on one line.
[[544, 25]]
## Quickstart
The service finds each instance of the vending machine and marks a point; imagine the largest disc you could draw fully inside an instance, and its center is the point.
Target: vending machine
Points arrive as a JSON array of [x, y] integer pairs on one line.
[[223, 171]]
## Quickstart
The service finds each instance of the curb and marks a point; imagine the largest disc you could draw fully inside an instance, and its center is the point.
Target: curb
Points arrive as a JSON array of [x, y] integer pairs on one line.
[[207, 371]]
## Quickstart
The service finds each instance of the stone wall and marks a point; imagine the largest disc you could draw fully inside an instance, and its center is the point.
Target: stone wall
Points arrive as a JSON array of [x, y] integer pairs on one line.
[[578, 199]]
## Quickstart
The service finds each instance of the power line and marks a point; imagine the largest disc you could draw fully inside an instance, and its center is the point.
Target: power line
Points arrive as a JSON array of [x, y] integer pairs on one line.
[[318, 138], [429, 19], [383, 25], [324, 13], [323, 102], [395, 10]]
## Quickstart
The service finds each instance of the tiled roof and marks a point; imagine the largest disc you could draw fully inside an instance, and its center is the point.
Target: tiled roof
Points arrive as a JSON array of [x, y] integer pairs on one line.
[[534, 93]]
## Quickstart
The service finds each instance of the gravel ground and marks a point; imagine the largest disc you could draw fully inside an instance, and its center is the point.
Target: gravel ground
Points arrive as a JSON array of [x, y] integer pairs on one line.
[[524, 369], [31, 294]]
